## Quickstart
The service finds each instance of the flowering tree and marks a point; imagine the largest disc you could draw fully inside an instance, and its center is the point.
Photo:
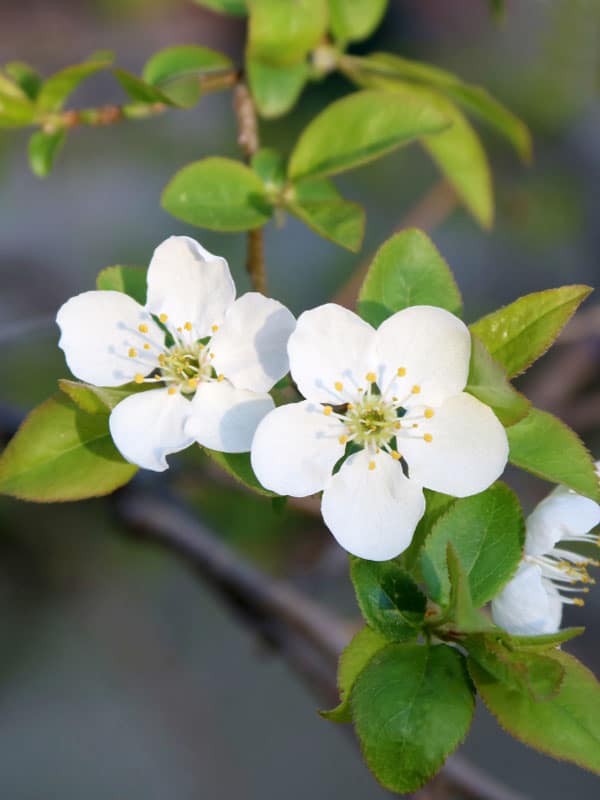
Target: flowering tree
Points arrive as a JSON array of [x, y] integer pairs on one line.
[[400, 414]]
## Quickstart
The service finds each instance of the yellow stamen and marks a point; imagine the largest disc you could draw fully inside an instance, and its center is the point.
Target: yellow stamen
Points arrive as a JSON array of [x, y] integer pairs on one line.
[[215, 328], [401, 372], [132, 352], [429, 413], [371, 377], [220, 378], [192, 383], [327, 410], [157, 376], [163, 318], [188, 326], [338, 386], [143, 328], [397, 425], [172, 390], [578, 601], [395, 455], [371, 465], [139, 378], [428, 437], [343, 439], [416, 389], [146, 346]]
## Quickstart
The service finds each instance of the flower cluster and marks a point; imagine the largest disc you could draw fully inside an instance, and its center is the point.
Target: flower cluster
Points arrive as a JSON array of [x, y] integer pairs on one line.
[[385, 413], [549, 575]]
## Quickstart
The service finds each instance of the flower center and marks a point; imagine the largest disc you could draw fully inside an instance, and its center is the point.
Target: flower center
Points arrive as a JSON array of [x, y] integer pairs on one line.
[[185, 366], [372, 421]]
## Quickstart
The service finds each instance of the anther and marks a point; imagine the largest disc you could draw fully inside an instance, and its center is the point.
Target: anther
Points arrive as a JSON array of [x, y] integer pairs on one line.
[[401, 372], [577, 601], [395, 455], [338, 386], [371, 465], [428, 437], [139, 378], [397, 425], [327, 410], [132, 353], [163, 318], [188, 326], [429, 413], [371, 377], [192, 383], [416, 389], [214, 328], [143, 328], [146, 346], [171, 390], [220, 378], [343, 439]]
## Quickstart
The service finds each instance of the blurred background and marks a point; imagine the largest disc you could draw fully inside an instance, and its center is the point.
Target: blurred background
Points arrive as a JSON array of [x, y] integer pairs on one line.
[[121, 675]]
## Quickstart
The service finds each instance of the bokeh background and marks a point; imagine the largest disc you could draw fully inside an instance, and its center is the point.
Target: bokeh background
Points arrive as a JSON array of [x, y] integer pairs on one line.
[[120, 674]]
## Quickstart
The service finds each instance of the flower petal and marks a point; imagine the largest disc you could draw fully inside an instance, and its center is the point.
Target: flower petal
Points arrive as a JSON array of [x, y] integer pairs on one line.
[[467, 452], [372, 513], [148, 426], [528, 605], [330, 346], [225, 418], [250, 347], [431, 348], [189, 284], [295, 449], [98, 332], [564, 514]]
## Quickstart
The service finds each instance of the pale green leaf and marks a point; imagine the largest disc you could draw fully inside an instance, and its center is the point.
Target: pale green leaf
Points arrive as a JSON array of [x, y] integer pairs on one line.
[[239, 467], [275, 88], [27, 78], [236, 7], [284, 31], [56, 90], [354, 20], [99, 399], [129, 280], [43, 151], [139, 90], [176, 71]]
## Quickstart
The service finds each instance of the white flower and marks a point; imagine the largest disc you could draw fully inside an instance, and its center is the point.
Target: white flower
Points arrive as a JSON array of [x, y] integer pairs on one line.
[[532, 602], [397, 395], [213, 357]]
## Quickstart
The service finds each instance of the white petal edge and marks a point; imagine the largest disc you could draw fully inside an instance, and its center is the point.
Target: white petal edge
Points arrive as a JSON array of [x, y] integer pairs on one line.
[[372, 513], [98, 331], [225, 418], [295, 449], [528, 605], [431, 346], [250, 347], [189, 284], [148, 426], [561, 515], [468, 450], [330, 345]]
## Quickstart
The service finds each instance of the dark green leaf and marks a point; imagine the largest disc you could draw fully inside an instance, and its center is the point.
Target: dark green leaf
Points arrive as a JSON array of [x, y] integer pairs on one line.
[[56, 89], [521, 332], [270, 168], [354, 20], [487, 532], [391, 602], [176, 71], [16, 110], [275, 88], [99, 399], [61, 453], [283, 31], [412, 706], [140, 91], [239, 467], [360, 128], [544, 445], [43, 151], [436, 505], [237, 7], [566, 726], [129, 280], [25, 77], [219, 194], [462, 616], [407, 270], [488, 382]]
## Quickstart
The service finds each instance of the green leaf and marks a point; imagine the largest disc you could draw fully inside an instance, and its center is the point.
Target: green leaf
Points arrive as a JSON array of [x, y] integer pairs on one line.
[[176, 71], [236, 7], [319, 205], [61, 453], [16, 110], [43, 151], [354, 20], [390, 601], [407, 270], [463, 616], [360, 128], [412, 706], [99, 399], [56, 89], [545, 446], [284, 31], [275, 88], [239, 467], [28, 79], [539, 675], [139, 90], [497, 9], [487, 531], [129, 280], [270, 168], [547, 641], [219, 194], [566, 726], [488, 382], [436, 505], [521, 332], [364, 645], [474, 99]]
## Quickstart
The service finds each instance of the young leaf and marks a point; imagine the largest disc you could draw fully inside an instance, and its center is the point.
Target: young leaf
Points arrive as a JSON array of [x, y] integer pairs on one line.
[[43, 151], [283, 31], [99, 399], [546, 641], [407, 270], [275, 88], [354, 20], [412, 706], [61, 453], [390, 601], [16, 110], [521, 332], [545, 446], [462, 614], [239, 467], [219, 194], [565, 726], [129, 280], [176, 71], [364, 645], [55, 91], [270, 168], [236, 7], [487, 531], [359, 128], [488, 382], [319, 205], [140, 91], [28, 79]]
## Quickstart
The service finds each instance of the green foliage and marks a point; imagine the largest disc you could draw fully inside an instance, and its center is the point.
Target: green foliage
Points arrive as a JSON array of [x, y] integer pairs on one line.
[[354, 20], [487, 532], [545, 446], [140, 91], [219, 194], [436, 505], [364, 645], [319, 205], [43, 151], [275, 87], [462, 615], [26, 78], [389, 599], [412, 706], [284, 31], [176, 71], [270, 168], [236, 7], [488, 382], [518, 334], [99, 399], [546, 641], [129, 280], [61, 453], [407, 270], [239, 467], [16, 108], [566, 725], [357, 129], [56, 90]]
